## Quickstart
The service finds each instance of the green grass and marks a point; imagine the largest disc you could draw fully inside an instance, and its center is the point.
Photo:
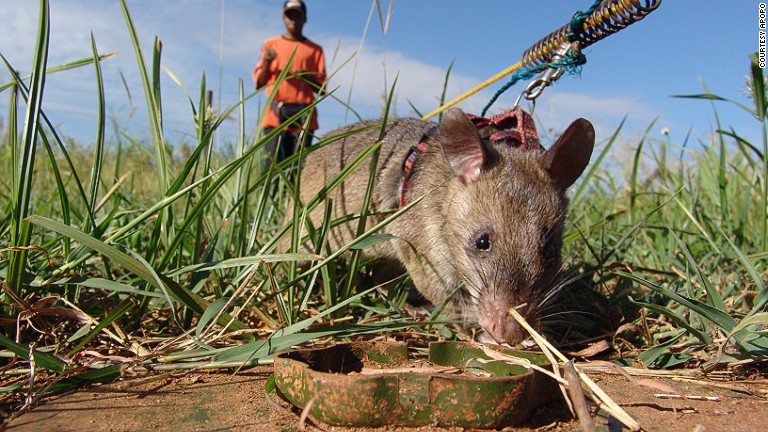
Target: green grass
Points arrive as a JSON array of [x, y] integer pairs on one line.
[[685, 243], [180, 269]]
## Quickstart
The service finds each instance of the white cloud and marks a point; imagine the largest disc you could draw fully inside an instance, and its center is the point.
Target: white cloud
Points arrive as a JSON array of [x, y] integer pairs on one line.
[[191, 36], [371, 73]]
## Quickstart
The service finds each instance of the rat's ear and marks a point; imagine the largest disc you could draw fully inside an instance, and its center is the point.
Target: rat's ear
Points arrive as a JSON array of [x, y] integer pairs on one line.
[[462, 145], [569, 156]]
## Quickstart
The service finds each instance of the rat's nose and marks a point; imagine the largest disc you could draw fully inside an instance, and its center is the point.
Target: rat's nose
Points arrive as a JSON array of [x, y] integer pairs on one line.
[[503, 331], [495, 319]]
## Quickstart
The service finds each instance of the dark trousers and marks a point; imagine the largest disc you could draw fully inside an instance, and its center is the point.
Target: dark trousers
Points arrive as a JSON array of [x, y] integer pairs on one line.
[[284, 145]]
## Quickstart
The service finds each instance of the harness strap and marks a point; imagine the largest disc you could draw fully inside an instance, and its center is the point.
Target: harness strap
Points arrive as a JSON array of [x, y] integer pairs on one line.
[[407, 170], [514, 128]]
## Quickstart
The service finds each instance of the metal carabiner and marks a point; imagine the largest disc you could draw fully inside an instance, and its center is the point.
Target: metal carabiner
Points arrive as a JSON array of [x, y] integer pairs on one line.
[[537, 86], [534, 89]]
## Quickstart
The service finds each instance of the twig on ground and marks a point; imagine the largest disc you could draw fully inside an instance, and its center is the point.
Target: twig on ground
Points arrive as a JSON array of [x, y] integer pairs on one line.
[[578, 399], [597, 394], [691, 397]]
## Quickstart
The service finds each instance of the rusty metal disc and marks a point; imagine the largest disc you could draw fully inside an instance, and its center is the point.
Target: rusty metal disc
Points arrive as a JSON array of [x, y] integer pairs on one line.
[[379, 383]]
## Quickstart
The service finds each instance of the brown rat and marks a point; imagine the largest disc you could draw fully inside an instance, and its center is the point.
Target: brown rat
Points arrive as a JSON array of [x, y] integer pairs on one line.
[[492, 218]]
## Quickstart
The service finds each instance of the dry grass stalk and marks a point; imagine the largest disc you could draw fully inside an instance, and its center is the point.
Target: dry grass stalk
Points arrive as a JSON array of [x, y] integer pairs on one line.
[[597, 394], [644, 382], [691, 397]]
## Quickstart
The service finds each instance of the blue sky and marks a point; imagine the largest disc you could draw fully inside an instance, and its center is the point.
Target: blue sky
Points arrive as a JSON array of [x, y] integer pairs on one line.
[[633, 73]]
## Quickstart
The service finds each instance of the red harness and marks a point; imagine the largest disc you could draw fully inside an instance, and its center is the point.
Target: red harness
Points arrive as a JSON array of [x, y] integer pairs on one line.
[[514, 128]]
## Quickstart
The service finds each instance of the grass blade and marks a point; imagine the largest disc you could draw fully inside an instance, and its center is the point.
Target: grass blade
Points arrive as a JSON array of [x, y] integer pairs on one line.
[[20, 231], [44, 360], [188, 298], [98, 148], [150, 94], [67, 66], [372, 177], [103, 375], [717, 316], [118, 312]]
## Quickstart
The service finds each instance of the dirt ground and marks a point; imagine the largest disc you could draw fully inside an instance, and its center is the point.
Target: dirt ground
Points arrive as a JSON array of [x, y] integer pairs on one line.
[[226, 402]]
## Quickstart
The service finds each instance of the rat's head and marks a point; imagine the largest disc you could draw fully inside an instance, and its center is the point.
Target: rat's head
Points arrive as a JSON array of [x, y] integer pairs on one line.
[[504, 215]]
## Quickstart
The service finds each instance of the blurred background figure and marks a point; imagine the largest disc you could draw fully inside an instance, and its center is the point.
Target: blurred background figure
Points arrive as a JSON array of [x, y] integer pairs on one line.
[[303, 82]]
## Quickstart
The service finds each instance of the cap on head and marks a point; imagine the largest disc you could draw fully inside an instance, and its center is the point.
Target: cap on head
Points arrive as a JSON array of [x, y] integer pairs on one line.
[[295, 5]]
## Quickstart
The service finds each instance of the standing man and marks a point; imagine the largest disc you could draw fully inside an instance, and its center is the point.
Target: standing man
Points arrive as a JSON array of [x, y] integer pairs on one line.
[[304, 79]]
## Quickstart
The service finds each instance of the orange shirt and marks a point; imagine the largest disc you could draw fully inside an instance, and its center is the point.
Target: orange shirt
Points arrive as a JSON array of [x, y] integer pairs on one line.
[[309, 58]]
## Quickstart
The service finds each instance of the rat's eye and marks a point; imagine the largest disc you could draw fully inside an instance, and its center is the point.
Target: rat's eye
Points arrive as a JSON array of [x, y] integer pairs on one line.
[[483, 243], [480, 243]]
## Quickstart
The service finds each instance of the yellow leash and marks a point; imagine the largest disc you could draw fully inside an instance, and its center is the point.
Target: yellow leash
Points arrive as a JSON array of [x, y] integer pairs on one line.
[[475, 89]]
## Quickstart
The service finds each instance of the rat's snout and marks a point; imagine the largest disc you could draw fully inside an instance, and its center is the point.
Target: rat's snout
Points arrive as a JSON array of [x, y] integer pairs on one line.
[[494, 318]]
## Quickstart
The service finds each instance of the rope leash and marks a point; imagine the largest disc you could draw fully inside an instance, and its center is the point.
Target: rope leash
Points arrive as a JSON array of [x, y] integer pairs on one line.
[[560, 51], [570, 64]]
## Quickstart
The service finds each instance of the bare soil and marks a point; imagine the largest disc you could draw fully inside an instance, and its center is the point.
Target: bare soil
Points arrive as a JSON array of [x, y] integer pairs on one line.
[[237, 402]]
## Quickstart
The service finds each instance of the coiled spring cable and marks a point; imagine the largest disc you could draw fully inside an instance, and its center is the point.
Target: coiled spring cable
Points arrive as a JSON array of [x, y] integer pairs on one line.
[[560, 51]]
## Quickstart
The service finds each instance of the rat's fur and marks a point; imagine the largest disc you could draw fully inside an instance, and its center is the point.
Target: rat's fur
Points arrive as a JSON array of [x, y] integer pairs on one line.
[[491, 220]]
